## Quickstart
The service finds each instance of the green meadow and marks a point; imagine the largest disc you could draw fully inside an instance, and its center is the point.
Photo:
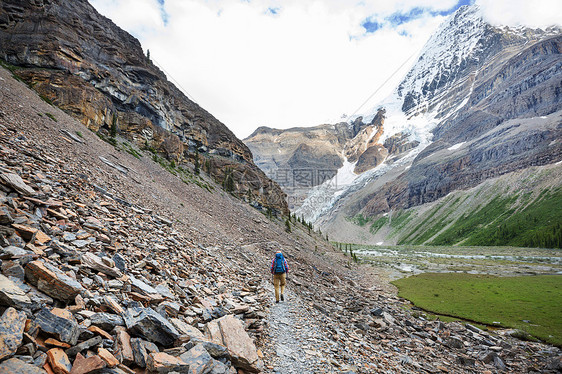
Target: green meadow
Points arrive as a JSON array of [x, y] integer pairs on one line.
[[529, 303]]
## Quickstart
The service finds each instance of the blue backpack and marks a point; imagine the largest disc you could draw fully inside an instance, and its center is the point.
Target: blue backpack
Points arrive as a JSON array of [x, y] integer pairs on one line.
[[279, 263]]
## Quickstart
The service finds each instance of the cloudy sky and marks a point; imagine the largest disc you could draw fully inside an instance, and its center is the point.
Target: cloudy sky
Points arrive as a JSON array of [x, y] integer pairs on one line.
[[285, 63]]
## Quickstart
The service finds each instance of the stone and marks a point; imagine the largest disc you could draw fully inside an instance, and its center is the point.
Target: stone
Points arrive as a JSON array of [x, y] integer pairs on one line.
[[15, 366], [84, 345], [198, 359], [12, 295], [141, 349], [82, 365], [241, 348], [11, 251], [15, 182], [122, 348], [56, 343], [376, 312], [146, 323], [103, 333], [51, 281], [453, 342], [12, 324], [107, 321], [186, 329], [30, 233], [218, 367], [92, 261], [59, 361], [164, 363], [217, 351], [64, 329], [141, 287], [108, 357], [13, 269]]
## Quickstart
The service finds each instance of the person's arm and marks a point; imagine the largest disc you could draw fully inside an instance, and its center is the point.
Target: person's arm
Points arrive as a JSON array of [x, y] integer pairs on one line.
[[272, 265], [286, 267]]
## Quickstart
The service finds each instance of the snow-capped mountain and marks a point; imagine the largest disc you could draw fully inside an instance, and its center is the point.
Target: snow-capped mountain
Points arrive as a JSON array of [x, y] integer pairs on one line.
[[433, 134]]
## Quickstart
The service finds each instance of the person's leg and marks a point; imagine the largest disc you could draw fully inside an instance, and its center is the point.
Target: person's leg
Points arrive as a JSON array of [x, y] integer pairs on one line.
[[276, 283], [283, 282]]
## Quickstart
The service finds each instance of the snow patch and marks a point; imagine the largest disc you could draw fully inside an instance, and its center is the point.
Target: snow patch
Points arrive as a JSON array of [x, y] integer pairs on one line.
[[456, 146], [380, 243]]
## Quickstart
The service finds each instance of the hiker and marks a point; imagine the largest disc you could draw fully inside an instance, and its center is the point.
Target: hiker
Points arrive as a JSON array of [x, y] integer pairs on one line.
[[279, 269]]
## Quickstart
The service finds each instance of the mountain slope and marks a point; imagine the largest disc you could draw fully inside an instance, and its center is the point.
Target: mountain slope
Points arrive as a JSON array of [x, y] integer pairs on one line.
[[85, 64], [481, 101]]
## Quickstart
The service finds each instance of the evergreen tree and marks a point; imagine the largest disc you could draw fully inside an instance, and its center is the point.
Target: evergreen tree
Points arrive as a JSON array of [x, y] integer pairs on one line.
[[287, 225]]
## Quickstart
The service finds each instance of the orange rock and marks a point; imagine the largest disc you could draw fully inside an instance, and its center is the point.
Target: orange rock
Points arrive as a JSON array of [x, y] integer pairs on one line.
[[108, 357], [84, 365], [59, 361], [56, 343], [97, 330]]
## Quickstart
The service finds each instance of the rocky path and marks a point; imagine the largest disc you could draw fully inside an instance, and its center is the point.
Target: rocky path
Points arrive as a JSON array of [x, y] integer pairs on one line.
[[297, 343]]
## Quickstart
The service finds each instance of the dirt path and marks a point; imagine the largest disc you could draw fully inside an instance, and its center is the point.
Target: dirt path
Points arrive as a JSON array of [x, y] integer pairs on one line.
[[298, 345]]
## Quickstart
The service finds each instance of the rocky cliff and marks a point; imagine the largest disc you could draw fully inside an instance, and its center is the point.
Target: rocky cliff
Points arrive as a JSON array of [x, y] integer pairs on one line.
[[86, 65], [302, 158]]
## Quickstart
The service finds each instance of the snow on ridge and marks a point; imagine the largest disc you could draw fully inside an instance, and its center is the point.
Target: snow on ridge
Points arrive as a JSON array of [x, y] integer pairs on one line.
[[456, 146], [452, 43]]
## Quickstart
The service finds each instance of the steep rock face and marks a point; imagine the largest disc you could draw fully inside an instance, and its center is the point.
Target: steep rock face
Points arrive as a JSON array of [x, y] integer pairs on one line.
[[86, 65], [512, 122], [301, 158]]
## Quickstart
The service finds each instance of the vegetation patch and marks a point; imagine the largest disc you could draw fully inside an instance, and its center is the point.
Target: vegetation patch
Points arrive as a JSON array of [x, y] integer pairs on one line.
[[499, 223], [529, 303], [376, 226]]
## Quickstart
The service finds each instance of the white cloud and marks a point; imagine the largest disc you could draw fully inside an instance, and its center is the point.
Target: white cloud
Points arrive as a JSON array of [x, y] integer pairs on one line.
[[537, 13], [309, 63]]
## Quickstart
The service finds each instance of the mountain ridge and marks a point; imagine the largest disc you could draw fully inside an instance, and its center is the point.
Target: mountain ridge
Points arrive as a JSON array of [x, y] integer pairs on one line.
[[85, 64]]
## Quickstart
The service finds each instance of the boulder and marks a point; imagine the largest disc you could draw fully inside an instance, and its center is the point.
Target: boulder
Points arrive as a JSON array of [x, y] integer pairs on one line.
[[164, 363], [16, 366], [84, 365], [64, 329], [141, 349], [146, 323], [12, 295], [198, 359], [15, 182], [122, 346], [12, 324], [107, 321], [59, 361], [92, 261], [51, 281], [240, 346]]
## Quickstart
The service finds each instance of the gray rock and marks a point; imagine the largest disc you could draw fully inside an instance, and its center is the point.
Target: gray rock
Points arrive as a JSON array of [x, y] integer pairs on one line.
[[66, 330], [107, 321], [71, 352], [15, 182], [198, 359], [12, 295], [146, 323], [141, 350], [12, 251], [218, 367], [216, 351], [92, 261], [119, 262], [13, 366], [140, 286]]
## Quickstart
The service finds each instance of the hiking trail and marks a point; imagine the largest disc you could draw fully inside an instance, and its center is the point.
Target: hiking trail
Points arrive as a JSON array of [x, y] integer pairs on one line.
[[298, 345]]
